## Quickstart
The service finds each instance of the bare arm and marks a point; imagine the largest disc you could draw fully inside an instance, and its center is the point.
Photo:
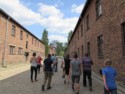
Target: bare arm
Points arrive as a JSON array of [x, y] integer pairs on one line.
[[104, 81], [81, 67], [70, 70], [31, 59], [62, 64]]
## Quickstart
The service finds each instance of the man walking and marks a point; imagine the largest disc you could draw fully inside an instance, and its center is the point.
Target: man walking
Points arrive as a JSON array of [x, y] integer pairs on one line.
[[87, 62], [109, 77], [75, 71], [47, 72]]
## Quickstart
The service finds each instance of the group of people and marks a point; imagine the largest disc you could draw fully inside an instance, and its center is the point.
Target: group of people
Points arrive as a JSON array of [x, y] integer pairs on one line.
[[50, 65], [73, 68]]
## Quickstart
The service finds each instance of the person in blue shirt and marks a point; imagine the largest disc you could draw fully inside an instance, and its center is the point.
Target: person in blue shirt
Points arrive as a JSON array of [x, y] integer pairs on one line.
[[53, 58], [109, 77]]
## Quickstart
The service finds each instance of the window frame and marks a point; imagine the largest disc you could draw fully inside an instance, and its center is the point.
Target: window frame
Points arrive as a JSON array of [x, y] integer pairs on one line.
[[100, 46], [87, 22], [123, 38], [81, 30], [20, 51], [78, 34], [13, 33], [99, 11], [88, 48], [26, 44], [12, 50], [21, 35]]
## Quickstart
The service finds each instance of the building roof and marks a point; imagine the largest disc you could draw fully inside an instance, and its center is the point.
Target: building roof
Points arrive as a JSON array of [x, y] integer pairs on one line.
[[80, 18], [8, 16]]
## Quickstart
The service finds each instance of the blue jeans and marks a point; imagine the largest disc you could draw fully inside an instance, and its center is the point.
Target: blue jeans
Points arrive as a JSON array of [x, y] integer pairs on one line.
[[111, 91]]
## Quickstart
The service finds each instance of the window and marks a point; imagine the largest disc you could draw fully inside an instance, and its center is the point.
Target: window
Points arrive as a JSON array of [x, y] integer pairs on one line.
[[81, 30], [98, 8], [21, 35], [123, 38], [20, 51], [78, 35], [87, 22], [88, 48], [82, 51], [35, 42], [26, 44], [38, 43], [27, 35], [12, 48], [32, 40], [100, 45], [13, 30], [78, 51]]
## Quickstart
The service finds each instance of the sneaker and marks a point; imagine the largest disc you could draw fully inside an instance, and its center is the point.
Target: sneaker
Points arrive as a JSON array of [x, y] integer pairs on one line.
[[42, 87], [49, 87], [31, 81], [77, 93], [68, 82], [84, 85], [90, 88], [72, 87], [63, 76], [64, 81]]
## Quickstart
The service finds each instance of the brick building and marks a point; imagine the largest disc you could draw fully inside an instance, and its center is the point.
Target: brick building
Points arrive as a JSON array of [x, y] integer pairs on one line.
[[17, 43], [100, 31]]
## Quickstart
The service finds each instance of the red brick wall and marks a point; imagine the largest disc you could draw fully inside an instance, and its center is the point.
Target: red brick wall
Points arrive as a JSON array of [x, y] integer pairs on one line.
[[108, 25], [15, 41]]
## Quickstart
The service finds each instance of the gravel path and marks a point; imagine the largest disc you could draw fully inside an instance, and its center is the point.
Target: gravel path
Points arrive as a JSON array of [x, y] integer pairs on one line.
[[19, 83]]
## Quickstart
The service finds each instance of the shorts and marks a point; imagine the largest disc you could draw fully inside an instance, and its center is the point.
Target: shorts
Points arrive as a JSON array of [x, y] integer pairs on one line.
[[75, 79]]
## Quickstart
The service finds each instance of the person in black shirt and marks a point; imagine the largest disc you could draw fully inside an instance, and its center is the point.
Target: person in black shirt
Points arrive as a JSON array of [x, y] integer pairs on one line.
[[47, 72], [67, 67]]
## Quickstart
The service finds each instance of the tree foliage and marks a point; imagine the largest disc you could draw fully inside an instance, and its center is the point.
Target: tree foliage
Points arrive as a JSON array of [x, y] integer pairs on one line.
[[46, 41], [60, 47], [70, 35]]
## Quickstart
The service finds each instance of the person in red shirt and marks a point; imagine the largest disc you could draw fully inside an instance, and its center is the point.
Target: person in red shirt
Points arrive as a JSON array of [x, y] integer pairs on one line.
[[39, 59]]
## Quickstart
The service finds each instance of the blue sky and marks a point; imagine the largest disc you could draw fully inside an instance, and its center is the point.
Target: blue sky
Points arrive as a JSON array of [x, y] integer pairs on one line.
[[58, 17]]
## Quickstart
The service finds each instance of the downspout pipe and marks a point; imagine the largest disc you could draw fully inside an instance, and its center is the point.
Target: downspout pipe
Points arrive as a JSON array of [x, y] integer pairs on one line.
[[84, 35], [4, 64]]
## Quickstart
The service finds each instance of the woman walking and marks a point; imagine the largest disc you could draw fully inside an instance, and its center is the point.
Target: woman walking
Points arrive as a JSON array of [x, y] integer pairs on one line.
[[39, 59], [67, 67], [33, 68], [75, 71]]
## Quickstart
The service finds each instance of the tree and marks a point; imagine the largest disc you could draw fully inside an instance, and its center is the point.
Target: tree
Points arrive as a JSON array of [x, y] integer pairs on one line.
[[60, 47], [70, 35], [46, 41], [53, 43]]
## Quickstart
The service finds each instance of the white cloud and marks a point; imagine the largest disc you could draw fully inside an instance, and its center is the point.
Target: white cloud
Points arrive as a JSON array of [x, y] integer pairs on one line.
[[20, 12], [49, 10], [77, 9], [54, 20], [58, 37], [48, 16]]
